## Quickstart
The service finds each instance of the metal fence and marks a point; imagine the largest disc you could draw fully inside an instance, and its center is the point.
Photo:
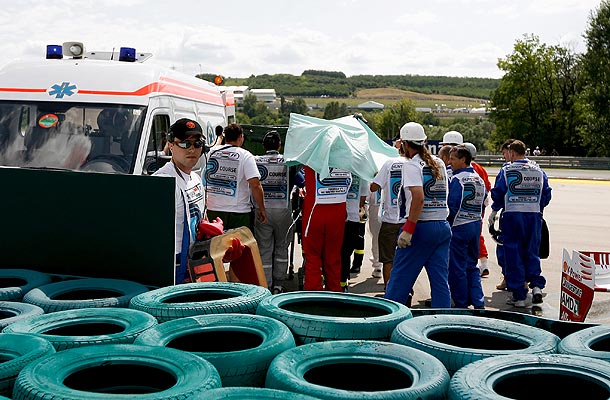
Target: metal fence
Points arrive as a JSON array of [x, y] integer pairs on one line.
[[603, 163]]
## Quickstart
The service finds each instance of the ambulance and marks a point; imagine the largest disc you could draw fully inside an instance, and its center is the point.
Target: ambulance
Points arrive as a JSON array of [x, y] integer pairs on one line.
[[100, 111]]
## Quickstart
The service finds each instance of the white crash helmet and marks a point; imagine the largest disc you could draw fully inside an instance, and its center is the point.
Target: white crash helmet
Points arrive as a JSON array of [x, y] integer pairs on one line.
[[453, 137], [471, 148], [413, 132]]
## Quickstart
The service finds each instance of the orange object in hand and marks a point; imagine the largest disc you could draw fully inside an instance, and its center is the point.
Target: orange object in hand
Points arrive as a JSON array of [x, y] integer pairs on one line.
[[207, 229]]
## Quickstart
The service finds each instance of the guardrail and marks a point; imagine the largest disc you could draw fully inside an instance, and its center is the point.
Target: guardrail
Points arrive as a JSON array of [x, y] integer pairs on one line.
[[603, 163]]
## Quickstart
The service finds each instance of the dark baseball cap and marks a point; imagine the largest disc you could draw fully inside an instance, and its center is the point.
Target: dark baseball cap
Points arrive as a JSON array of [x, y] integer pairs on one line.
[[184, 128]]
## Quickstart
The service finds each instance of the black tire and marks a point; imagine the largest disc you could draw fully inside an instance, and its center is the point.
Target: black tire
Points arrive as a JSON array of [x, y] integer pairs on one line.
[[240, 346], [17, 351], [458, 340], [590, 342], [15, 283], [251, 393], [84, 293], [86, 326], [368, 370], [114, 371], [13, 311], [525, 376], [319, 316], [191, 299]]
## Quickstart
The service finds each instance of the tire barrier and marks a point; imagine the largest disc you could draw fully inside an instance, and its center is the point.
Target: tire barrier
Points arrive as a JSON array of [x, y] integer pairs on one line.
[[13, 311], [240, 346], [241, 393], [16, 352], [459, 340], [201, 298], [319, 316], [86, 326], [84, 293], [526, 376], [114, 371], [590, 342], [368, 370], [15, 283]]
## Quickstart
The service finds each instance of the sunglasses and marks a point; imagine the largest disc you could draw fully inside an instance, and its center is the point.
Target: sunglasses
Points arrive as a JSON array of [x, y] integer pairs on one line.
[[187, 145]]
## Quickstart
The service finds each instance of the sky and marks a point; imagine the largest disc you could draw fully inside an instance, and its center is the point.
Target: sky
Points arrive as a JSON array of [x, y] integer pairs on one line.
[[241, 38]]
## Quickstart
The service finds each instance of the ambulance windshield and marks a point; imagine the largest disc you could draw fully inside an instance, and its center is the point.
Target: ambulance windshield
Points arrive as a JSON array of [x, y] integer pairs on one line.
[[74, 136]]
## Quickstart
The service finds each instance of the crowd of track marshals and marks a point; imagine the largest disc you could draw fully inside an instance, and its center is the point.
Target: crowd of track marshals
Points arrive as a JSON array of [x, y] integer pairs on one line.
[[423, 211]]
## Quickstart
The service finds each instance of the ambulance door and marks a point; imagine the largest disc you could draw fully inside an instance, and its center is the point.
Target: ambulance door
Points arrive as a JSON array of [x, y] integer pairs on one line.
[[157, 139]]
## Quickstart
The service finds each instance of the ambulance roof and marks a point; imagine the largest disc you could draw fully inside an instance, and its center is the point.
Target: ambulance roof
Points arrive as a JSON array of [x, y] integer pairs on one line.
[[100, 81]]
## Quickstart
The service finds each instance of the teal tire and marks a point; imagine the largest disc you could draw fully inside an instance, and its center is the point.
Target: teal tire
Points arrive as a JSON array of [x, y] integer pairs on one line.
[[320, 316], [13, 311], [191, 299], [251, 393], [16, 352], [458, 340], [529, 376], [356, 369], [240, 346], [86, 326], [84, 293], [15, 283], [591, 342], [115, 371]]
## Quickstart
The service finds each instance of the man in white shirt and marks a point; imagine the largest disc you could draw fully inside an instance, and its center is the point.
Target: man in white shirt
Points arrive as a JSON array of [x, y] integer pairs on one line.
[[230, 176], [185, 141]]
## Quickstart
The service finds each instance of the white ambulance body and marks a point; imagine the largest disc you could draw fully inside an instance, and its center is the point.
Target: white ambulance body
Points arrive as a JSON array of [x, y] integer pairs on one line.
[[102, 115]]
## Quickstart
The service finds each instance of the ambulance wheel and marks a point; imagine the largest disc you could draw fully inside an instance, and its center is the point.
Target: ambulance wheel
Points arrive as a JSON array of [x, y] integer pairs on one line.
[[369, 370], [17, 351], [190, 299], [86, 326], [458, 340], [320, 316], [240, 346], [254, 393], [15, 283], [113, 371], [521, 376], [13, 311], [590, 342], [84, 293]]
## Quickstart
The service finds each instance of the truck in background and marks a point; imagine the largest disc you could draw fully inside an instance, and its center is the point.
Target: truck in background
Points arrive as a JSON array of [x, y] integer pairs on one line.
[[100, 111]]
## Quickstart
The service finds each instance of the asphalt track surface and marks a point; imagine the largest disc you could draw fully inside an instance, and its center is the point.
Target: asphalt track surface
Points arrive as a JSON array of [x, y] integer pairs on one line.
[[578, 217]]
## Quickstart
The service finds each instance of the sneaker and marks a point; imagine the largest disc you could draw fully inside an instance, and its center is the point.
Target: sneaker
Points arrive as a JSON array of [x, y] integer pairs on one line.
[[501, 285], [516, 303], [377, 273], [485, 272], [536, 295], [278, 289], [354, 270], [344, 287]]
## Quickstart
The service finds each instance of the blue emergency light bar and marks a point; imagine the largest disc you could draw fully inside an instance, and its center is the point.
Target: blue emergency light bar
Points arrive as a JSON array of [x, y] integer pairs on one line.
[[54, 52], [127, 54]]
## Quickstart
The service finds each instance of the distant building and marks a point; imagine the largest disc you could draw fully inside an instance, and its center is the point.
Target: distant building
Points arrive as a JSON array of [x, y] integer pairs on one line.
[[371, 105], [239, 92], [266, 95]]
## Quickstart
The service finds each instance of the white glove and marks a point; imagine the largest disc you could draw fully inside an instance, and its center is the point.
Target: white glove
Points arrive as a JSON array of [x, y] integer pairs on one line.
[[404, 239], [492, 217]]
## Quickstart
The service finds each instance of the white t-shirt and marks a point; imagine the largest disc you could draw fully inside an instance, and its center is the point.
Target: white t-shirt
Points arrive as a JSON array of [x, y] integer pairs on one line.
[[389, 178], [188, 193], [416, 173], [358, 188], [226, 178]]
